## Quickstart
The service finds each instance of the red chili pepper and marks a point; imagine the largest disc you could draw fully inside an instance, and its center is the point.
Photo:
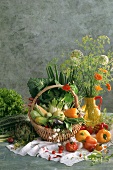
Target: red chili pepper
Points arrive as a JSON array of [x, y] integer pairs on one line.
[[57, 156], [49, 158], [53, 152], [105, 125], [30, 104], [31, 98], [46, 126], [80, 155], [66, 87], [61, 147], [83, 127], [100, 126], [60, 151]]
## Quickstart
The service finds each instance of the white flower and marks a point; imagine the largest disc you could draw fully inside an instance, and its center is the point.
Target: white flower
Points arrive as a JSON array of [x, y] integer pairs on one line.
[[73, 139], [54, 136], [103, 59], [76, 55], [50, 137], [54, 130], [59, 144], [58, 130], [58, 140]]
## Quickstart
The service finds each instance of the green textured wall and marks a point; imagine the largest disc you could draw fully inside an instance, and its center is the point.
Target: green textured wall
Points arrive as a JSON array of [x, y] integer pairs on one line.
[[32, 32]]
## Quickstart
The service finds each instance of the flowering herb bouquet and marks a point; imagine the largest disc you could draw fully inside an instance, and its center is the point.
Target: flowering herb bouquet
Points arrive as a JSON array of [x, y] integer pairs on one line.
[[91, 67]]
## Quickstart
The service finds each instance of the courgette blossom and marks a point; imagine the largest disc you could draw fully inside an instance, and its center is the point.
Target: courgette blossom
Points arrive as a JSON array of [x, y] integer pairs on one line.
[[91, 67]]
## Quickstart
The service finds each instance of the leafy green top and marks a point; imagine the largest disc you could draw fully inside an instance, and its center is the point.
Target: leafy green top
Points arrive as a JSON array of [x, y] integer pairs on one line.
[[11, 103]]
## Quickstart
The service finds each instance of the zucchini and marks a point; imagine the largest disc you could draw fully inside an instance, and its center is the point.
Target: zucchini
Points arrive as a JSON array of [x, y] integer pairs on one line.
[[3, 140], [4, 136], [9, 119], [7, 124]]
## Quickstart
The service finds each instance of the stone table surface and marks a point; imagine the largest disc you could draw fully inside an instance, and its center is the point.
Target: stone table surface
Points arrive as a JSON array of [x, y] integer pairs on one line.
[[11, 161]]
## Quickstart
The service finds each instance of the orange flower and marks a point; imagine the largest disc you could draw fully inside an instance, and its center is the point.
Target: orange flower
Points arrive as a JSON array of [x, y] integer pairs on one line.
[[98, 76], [108, 86], [66, 87], [103, 70], [98, 88]]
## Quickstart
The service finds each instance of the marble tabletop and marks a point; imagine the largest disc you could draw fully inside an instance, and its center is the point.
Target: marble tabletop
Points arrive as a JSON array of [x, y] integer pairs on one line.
[[12, 161]]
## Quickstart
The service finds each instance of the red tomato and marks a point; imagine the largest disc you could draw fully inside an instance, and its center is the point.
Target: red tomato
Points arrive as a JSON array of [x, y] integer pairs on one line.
[[90, 143], [71, 146], [10, 140]]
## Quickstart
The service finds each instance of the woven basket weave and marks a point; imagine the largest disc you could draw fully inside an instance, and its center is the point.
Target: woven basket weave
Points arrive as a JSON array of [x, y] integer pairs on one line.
[[48, 133]]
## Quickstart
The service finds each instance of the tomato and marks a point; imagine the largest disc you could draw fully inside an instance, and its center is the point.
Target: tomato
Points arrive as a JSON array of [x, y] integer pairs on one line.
[[91, 140], [10, 140], [71, 146], [90, 143]]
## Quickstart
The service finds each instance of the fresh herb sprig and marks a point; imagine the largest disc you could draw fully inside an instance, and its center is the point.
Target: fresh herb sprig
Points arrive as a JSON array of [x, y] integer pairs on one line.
[[98, 157]]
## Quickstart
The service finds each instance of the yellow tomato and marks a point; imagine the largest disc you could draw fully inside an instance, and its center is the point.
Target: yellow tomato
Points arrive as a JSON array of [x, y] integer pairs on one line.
[[71, 113], [81, 135]]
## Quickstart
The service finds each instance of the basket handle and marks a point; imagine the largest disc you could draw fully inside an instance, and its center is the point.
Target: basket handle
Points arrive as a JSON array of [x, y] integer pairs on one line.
[[51, 87]]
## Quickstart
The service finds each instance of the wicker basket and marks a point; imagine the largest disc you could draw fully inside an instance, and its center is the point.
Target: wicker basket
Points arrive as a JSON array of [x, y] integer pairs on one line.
[[48, 133]]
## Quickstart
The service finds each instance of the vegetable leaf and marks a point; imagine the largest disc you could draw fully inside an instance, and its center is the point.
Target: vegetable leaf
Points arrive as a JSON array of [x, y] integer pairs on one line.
[[11, 103]]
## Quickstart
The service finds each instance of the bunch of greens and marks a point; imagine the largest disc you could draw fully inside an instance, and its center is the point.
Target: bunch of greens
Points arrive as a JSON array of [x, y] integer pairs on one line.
[[54, 77], [11, 103]]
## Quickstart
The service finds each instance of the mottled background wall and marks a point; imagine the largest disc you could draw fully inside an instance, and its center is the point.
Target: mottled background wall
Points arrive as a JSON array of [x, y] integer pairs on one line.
[[32, 32]]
